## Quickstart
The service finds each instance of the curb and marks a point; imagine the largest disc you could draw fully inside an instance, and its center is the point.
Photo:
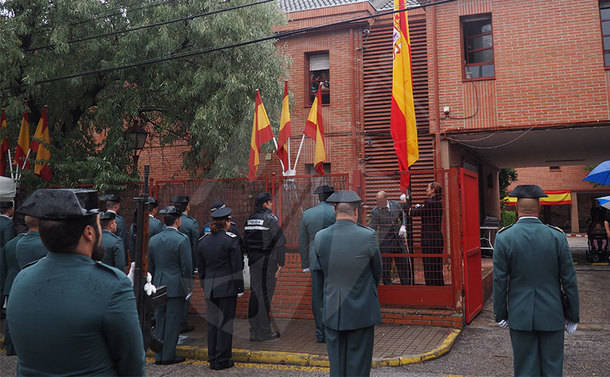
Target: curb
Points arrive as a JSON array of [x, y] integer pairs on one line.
[[314, 360]]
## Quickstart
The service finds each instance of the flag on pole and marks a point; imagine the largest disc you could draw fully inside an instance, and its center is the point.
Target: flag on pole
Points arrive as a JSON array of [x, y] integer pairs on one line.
[[39, 145], [4, 147], [285, 130], [314, 128], [402, 118], [261, 133], [23, 143]]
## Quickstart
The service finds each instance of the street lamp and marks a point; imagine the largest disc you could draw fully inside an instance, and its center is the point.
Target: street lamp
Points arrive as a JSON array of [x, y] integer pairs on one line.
[[136, 138]]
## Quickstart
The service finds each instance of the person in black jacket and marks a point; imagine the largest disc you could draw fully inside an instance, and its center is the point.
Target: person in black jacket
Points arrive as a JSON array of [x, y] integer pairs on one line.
[[431, 213], [220, 271], [265, 244]]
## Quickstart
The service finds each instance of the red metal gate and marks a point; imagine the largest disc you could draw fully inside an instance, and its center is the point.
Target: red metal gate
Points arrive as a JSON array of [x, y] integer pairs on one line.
[[471, 245]]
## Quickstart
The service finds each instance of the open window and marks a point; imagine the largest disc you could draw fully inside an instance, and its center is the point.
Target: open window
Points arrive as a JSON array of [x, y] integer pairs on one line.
[[319, 73], [478, 47]]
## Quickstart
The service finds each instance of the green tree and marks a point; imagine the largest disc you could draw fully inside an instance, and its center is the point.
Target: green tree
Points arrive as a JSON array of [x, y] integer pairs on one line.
[[205, 100], [506, 176]]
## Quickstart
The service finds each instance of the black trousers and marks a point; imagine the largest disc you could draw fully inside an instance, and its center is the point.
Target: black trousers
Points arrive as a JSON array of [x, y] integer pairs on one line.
[[403, 264], [262, 286], [219, 317], [350, 352], [433, 267], [317, 301]]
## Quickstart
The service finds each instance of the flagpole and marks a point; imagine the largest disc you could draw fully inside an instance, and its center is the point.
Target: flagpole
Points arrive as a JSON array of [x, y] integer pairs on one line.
[[299, 152], [10, 164], [288, 147], [25, 161], [281, 162]]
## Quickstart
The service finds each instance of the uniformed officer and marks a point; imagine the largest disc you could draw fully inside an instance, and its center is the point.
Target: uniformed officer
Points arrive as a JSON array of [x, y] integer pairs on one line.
[[315, 219], [9, 267], [386, 219], [221, 278], [206, 229], [155, 226], [534, 289], [113, 204], [70, 315], [169, 256], [114, 251], [7, 231], [350, 259], [30, 247], [265, 246]]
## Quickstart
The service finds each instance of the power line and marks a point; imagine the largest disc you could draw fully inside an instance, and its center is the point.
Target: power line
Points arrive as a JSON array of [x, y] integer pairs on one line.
[[148, 26], [227, 47], [120, 11]]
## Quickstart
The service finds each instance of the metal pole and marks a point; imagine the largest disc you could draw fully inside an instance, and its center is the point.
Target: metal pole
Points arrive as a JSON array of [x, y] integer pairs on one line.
[[281, 162], [299, 152]]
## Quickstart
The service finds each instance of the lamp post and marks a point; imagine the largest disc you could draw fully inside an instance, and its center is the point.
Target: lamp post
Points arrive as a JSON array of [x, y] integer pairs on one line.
[[136, 137]]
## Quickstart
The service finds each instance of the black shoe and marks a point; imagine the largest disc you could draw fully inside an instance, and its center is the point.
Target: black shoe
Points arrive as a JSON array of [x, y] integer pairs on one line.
[[170, 362], [221, 366], [187, 328]]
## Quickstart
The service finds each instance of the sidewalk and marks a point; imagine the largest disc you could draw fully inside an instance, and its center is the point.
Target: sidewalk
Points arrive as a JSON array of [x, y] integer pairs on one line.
[[394, 345]]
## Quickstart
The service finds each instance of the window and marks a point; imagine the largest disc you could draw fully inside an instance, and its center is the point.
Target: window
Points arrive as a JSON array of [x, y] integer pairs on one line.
[[319, 73], [309, 170], [478, 47], [604, 12]]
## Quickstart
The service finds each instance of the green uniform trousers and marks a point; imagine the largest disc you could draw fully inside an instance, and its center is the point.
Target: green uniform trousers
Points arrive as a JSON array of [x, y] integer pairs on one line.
[[537, 353], [167, 327], [317, 302], [350, 352], [8, 343]]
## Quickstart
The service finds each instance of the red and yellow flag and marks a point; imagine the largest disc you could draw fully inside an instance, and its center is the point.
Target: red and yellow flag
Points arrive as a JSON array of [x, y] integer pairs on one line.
[[285, 130], [23, 143], [261, 133], [314, 128], [5, 146], [554, 197], [402, 123], [39, 145]]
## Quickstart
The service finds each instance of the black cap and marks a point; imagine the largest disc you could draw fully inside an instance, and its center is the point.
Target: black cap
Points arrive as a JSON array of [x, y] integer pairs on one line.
[[528, 191], [152, 202], [221, 212], [262, 197], [6, 204], [108, 215], [111, 198], [180, 199], [324, 189], [344, 196], [169, 210], [217, 204], [60, 204]]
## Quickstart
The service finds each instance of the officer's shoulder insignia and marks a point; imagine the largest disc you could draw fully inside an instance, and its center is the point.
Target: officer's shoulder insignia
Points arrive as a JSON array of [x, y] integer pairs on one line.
[[274, 217], [232, 235], [33, 263], [504, 228], [555, 228]]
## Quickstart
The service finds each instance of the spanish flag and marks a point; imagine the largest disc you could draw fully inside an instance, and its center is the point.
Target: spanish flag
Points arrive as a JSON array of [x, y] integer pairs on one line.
[[314, 128], [285, 130], [23, 143], [4, 147], [554, 197], [40, 144], [261, 133], [402, 122]]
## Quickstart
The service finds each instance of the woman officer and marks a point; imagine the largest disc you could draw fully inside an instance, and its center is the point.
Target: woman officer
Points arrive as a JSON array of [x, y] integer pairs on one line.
[[220, 271]]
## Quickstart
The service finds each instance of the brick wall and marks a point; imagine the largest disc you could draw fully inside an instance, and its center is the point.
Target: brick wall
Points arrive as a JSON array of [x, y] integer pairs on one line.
[[566, 178], [548, 63]]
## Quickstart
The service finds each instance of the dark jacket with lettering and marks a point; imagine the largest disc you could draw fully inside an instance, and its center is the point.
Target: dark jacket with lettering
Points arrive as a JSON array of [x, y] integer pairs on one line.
[[263, 237]]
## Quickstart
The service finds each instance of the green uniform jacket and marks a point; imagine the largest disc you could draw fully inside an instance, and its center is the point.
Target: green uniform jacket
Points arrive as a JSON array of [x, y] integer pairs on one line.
[[155, 226], [190, 227], [532, 265], [114, 253], [7, 232], [70, 315], [9, 265], [313, 220], [30, 249], [349, 256], [169, 257]]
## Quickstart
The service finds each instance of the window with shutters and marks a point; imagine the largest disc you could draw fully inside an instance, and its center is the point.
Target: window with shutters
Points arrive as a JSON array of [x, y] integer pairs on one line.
[[478, 47], [319, 74], [604, 13]]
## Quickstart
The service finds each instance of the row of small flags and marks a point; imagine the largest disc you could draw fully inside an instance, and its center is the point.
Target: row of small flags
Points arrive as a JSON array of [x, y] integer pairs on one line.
[[25, 149], [262, 133]]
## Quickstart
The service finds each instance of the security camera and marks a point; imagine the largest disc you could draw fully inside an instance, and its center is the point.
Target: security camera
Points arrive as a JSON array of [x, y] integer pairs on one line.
[[366, 32], [446, 110]]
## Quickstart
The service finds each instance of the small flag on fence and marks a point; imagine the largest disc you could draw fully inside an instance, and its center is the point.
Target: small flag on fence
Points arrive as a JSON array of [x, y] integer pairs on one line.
[[23, 143], [402, 118], [285, 130], [5, 145], [261, 133], [39, 145], [314, 128]]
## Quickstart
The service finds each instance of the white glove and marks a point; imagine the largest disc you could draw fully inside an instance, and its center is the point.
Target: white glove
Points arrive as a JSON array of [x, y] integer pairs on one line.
[[132, 268], [149, 288], [306, 269], [503, 324], [403, 198], [240, 294], [417, 205], [403, 231], [571, 327]]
